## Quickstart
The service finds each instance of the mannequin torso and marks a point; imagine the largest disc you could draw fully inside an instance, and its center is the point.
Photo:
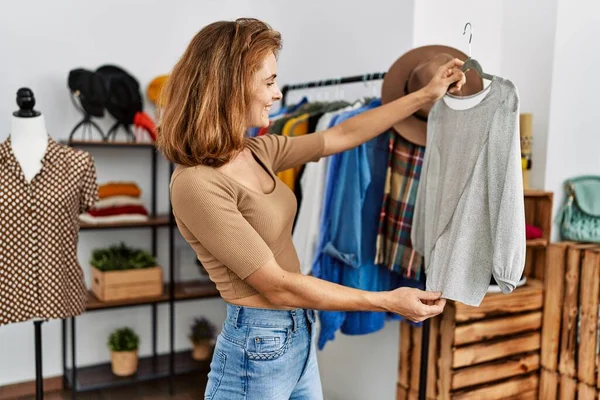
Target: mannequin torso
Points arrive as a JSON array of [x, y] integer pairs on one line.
[[29, 140]]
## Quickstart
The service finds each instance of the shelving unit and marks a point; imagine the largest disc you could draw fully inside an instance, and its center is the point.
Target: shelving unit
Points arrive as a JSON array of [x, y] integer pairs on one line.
[[156, 366]]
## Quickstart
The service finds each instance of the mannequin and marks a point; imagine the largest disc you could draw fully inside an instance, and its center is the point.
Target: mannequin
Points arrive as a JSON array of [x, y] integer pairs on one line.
[[29, 138]]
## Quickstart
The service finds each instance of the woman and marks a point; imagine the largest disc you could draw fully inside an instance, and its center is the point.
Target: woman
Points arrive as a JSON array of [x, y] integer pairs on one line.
[[235, 213]]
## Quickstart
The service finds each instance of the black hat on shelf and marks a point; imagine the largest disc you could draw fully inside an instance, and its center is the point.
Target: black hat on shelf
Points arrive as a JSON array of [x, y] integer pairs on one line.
[[90, 89]]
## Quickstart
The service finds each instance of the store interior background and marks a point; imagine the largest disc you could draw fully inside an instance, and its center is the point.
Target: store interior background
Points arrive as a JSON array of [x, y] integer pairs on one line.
[[550, 50]]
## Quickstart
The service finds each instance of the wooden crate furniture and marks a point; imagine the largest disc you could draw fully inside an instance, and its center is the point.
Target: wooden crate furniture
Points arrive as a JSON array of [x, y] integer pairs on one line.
[[538, 212], [569, 355], [486, 352]]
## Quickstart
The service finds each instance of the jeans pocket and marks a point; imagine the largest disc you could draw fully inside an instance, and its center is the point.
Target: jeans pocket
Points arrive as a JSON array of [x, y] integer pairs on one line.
[[267, 343], [215, 376]]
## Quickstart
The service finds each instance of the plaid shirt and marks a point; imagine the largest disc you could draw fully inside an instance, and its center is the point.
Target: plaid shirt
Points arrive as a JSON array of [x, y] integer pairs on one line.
[[394, 247]]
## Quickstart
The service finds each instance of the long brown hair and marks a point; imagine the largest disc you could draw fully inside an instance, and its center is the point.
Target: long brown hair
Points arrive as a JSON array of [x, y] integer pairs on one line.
[[205, 100]]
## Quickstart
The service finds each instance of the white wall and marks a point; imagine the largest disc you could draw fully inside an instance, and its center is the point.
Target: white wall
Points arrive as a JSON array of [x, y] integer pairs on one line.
[[573, 139], [527, 59]]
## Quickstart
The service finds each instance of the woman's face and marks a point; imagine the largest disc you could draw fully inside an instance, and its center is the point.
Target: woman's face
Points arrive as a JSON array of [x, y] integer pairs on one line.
[[265, 93]]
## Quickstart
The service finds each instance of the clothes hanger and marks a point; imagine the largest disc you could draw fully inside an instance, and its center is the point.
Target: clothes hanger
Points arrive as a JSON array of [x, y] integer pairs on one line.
[[472, 63]]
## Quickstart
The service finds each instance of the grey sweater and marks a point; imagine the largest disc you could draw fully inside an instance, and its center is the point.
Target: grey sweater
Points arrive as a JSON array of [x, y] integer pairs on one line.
[[469, 220]]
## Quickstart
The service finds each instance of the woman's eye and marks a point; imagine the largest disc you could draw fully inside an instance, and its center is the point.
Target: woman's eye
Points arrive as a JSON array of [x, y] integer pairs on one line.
[[270, 84]]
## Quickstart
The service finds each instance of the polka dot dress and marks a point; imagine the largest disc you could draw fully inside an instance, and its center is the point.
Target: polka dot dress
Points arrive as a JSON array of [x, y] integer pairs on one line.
[[40, 276]]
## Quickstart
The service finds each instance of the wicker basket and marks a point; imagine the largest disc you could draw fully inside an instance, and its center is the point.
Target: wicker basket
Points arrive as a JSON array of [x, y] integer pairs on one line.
[[124, 363]]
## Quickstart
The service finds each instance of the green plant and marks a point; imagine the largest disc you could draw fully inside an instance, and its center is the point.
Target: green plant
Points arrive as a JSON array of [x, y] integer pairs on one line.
[[121, 257], [202, 329], [123, 339]]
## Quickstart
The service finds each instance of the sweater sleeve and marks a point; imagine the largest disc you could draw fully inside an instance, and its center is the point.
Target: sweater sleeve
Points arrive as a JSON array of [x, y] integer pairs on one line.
[[505, 194], [286, 152], [208, 208]]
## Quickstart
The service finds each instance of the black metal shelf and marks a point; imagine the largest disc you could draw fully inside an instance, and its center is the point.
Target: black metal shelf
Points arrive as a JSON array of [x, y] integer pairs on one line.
[[191, 290], [156, 221], [156, 366], [111, 144], [100, 376]]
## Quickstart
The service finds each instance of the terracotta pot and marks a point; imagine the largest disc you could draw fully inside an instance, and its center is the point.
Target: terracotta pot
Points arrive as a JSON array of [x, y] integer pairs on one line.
[[124, 363], [202, 350]]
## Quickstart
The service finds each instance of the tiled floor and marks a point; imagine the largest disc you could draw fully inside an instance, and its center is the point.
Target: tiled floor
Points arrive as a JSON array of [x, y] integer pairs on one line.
[[190, 387]]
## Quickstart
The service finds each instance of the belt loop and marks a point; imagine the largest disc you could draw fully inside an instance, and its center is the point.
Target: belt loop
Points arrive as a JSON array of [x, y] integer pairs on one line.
[[236, 315], [295, 322], [311, 315]]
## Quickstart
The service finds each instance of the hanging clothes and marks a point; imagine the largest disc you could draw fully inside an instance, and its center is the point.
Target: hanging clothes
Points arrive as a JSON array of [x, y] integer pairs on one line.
[[306, 230], [296, 126], [469, 220], [354, 192], [394, 247]]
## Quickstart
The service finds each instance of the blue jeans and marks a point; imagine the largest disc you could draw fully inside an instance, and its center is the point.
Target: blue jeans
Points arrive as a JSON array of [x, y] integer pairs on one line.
[[265, 354]]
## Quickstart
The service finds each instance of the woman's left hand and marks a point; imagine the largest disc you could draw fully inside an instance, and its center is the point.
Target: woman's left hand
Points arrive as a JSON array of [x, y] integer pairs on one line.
[[446, 75]]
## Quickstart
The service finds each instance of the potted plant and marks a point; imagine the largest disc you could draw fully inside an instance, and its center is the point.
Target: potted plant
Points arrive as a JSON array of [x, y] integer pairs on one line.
[[121, 272], [202, 336], [123, 344]]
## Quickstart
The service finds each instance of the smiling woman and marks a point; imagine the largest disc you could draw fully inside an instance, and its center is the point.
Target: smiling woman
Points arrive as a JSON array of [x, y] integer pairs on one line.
[[237, 215]]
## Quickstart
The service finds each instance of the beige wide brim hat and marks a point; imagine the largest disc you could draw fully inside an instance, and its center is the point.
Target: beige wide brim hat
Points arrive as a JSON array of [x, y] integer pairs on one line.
[[411, 72]]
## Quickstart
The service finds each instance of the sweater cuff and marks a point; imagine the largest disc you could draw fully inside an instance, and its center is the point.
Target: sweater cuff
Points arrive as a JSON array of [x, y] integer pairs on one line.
[[507, 285]]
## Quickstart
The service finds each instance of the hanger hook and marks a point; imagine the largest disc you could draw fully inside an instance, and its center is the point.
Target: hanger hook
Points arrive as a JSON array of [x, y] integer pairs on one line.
[[470, 35]]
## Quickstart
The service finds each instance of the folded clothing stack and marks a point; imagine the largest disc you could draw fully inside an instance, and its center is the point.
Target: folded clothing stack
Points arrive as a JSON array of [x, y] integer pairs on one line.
[[119, 202]]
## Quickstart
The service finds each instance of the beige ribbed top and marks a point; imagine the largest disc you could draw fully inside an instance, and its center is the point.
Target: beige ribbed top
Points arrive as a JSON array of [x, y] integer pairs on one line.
[[233, 229]]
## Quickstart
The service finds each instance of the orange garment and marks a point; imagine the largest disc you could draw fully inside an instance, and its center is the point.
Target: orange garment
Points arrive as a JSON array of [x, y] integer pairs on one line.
[[294, 127], [119, 189]]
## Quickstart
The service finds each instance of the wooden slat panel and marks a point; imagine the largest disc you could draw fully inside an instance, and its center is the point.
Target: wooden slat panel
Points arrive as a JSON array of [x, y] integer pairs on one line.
[[568, 340], [529, 395], [499, 391], [548, 384], [415, 358], [405, 353], [482, 352], [494, 328], [432, 357], [539, 264], [586, 392], [588, 299], [495, 371], [543, 217], [554, 289], [529, 262], [530, 210], [401, 393], [526, 298], [447, 327], [568, 388]]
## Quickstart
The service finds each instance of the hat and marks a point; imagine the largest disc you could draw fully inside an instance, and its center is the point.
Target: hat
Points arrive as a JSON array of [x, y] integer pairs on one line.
[[155, 88], [411, 72], [89, 88], [124, 98]]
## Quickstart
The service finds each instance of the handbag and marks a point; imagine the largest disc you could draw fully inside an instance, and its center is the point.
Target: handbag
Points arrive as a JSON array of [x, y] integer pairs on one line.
[[580, 216]]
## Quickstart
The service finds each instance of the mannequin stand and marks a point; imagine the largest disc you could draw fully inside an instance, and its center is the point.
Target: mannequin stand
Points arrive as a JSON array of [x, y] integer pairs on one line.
[[39, 379]]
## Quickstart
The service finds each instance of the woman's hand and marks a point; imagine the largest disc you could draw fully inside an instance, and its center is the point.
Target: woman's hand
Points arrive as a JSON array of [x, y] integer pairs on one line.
[[446, 75], [414, 304]]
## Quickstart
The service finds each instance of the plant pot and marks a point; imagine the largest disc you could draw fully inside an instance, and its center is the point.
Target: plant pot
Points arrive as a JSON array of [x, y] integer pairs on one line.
[[202, 350], [124, 363], [127, 284]]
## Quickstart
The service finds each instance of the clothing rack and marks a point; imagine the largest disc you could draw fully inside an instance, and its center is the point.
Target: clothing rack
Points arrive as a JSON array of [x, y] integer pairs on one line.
[[427, 323], [329, 82]]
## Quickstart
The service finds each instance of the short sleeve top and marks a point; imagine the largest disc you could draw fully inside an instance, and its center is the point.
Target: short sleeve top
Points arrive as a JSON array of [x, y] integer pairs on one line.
[[233, 229], [40, 276]]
